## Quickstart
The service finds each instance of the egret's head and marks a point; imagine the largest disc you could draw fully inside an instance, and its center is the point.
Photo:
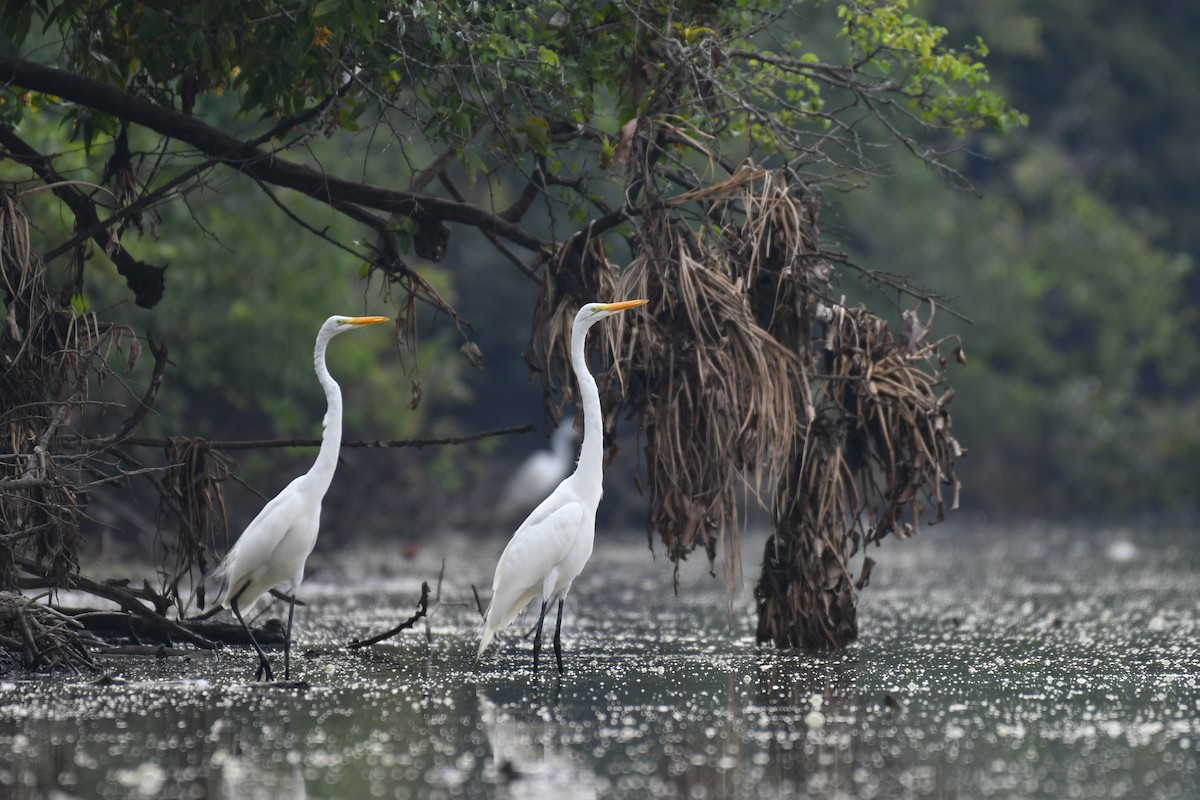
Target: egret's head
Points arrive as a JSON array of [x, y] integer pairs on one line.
[[592, 312], [340, 323]]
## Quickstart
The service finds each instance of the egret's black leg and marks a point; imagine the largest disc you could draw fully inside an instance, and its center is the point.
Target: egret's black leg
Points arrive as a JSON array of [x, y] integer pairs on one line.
[[537, 637], [287, 641], [558, 635], [264, 666]]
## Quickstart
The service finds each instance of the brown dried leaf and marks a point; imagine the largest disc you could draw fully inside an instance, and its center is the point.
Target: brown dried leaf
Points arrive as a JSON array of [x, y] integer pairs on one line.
[[473, 353]]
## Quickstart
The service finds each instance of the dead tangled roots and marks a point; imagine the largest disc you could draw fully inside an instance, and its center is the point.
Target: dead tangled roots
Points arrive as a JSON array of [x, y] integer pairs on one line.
[[748, 379], [35, 637], [46, 351], [51, 360]]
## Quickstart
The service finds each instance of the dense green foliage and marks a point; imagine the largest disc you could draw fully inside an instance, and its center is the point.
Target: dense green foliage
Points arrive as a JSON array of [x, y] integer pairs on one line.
[[526, 68], [547, 94], [1074, 265], [1080, 359], [247, 296]]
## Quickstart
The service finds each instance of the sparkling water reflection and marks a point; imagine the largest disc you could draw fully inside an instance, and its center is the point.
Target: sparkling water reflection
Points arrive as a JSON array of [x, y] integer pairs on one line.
[[1043, 663]]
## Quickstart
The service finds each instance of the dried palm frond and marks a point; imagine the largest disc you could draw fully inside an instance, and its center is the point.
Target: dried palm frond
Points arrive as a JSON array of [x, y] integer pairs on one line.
[[711, 387], [882, 449], [578, 273], [720, 370], [746, 375], [191, 501]]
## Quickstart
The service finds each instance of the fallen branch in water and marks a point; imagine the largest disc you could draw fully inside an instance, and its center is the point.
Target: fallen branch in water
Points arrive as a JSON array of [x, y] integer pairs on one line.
[[112, 626], [38, 637], [129, 600], [422, 609], [148, 651]]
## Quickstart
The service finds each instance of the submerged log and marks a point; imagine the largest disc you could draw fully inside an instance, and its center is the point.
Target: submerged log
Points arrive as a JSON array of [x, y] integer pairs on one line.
[[121, 626]]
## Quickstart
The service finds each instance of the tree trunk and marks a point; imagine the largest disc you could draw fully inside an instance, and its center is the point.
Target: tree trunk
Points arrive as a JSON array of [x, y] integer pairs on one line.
[[805, 596]]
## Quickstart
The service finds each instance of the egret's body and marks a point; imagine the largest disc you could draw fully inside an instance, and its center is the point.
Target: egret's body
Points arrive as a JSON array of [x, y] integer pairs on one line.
[[539, 474], [275, 545], [551, 547]]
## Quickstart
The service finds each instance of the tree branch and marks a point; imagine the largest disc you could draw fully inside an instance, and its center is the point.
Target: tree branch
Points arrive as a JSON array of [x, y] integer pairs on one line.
[[144, 280], [534, 187], [245, 157], [500, 246], [149, 198], [159, 351], [124, 598], [251, 444], [422, 609]]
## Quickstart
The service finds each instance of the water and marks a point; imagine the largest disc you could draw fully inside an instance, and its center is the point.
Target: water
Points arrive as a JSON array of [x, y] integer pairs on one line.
[[992, 663]]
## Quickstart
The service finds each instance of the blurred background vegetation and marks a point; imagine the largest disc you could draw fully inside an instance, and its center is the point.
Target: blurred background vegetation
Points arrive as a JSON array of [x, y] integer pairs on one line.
[[1074, 259], [1071, 256]]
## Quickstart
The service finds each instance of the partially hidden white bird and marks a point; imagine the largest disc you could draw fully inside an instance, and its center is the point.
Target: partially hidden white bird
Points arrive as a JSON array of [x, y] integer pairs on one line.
[[275, 545], [552, 545], [539, 473]]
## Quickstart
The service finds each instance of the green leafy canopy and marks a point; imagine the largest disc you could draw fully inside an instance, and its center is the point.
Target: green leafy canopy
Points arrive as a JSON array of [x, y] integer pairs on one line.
[[532, 76]]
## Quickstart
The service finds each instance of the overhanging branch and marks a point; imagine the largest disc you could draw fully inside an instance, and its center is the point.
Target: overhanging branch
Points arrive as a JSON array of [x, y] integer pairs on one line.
[[144, 280], [260, 164]]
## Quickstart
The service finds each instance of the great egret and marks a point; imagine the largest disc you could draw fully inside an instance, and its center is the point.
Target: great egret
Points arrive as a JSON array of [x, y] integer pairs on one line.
[[554, 542], [273, 548], [540, 473]]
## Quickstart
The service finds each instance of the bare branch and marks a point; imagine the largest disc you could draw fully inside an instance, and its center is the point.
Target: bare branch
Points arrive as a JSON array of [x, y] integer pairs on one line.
[[127, 600], [262, 444], [422, 608]]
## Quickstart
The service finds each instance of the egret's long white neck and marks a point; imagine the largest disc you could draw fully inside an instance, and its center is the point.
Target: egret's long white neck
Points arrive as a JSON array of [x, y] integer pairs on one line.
[[322, 471], [591, 453]]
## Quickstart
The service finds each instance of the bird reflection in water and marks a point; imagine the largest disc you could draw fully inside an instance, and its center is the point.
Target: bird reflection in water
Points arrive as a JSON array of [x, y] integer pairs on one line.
[[529, 758]]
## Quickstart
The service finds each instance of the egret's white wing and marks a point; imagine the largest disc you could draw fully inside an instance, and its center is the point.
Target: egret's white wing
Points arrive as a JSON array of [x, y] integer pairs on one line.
[[538, 546], [262, 547]]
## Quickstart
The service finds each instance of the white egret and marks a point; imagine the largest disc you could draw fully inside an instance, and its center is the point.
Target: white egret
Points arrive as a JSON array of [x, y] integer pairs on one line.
[[539, 473], [553, 544], [273, 548]]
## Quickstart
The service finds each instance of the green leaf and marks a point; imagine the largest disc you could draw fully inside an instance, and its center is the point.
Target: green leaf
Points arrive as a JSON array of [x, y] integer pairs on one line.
[[327, 7]]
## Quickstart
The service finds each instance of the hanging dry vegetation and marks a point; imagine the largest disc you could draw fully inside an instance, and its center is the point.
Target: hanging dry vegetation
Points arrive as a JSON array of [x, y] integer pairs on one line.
[[46, 353], [52, 362], [750, 381], [191, 501]]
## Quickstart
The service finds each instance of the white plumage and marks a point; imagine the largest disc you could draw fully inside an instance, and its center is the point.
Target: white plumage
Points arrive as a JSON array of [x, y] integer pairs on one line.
[[553, 544], [275, 545]]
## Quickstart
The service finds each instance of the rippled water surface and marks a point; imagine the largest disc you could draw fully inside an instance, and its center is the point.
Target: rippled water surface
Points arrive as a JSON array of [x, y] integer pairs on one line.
[[992, 663]]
